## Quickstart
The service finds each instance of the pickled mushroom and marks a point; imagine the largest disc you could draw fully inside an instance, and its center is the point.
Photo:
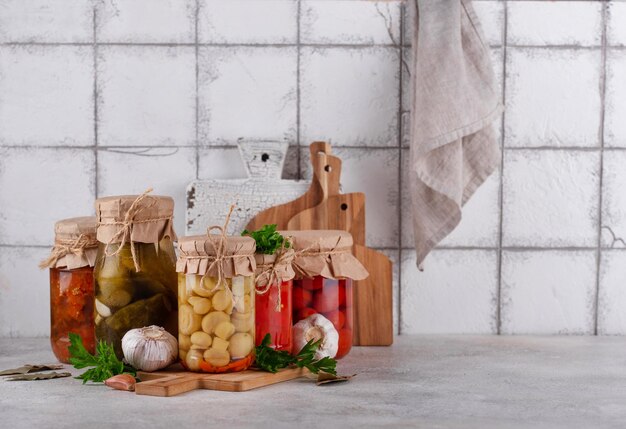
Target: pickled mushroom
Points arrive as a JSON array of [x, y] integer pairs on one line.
[[188, 321], [221, 300], [220, 344], [225, 330], [201, 339], [193, 359], [211, 320], [200, 305], [240, 345]]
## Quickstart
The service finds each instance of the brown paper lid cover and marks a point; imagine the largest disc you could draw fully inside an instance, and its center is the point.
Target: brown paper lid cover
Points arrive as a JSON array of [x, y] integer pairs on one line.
[[75, 244], [198, 253], [150, 222], [326, 253], [283, 269]]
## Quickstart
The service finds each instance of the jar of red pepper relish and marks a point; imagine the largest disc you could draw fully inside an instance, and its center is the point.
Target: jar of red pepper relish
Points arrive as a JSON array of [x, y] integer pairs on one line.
[[325, 267], [71, 263], [274, 286]]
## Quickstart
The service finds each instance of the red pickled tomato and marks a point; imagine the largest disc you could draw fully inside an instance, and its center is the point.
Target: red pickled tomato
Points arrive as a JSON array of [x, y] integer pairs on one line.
[[328, 299], [345, 342], [337, 318], [315, 283], [306, 312], [301, 298]]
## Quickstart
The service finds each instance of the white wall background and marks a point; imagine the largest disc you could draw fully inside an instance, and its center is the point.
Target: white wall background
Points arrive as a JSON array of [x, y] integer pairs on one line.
[[111, 96]]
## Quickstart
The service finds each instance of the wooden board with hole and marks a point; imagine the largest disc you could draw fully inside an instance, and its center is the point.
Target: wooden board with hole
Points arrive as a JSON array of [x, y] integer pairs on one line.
[[174, 382]]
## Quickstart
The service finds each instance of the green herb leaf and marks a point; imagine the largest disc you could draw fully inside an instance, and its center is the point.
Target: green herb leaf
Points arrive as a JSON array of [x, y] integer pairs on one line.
[[272, 360], [268, 240], [105, 364]]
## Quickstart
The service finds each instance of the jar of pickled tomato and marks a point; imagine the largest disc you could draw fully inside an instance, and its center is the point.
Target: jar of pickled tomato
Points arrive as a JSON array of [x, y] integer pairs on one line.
[[325, 268], [71, 263], [216, 303], [274, 289]]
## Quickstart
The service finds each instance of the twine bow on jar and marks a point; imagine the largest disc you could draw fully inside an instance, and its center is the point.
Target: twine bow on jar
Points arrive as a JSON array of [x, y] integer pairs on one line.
[[63, 247], [219, 250], [275, 272], [125, 233]]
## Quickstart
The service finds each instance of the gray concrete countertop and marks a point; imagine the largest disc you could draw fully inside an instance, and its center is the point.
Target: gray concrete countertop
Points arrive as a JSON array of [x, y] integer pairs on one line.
[[422, 381]]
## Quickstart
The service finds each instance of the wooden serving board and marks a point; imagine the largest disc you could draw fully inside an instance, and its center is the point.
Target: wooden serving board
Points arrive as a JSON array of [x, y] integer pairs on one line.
[[373, 300], [208, 200], [282, 214], [172, 383]]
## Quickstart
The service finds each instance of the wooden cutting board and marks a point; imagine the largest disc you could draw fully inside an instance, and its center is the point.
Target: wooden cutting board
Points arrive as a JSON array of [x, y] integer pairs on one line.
[[373, 300], [282, 213], [172, 383], [208, 200]]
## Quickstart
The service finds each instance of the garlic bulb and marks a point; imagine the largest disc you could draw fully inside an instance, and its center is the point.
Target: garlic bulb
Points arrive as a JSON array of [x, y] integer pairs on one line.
[[316, 327], [150, 348]]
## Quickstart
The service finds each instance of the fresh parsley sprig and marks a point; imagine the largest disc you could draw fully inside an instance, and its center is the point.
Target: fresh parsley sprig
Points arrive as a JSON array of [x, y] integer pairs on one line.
[[268, 240], [105, 364], [272, 360]]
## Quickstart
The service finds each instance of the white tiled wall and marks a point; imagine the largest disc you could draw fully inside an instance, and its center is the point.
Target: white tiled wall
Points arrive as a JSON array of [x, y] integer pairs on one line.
[[112, 96]]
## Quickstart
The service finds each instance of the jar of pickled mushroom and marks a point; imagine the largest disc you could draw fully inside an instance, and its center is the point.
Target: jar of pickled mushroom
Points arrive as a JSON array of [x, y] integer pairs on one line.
[[216, 302], [71, 264], [273, 304], [325, 267], [135, 272]]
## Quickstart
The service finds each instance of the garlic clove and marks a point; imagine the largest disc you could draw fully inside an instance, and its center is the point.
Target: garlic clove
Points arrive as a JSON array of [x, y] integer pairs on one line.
[[121, 382], [316, 327], [150, 348], [102, 309]]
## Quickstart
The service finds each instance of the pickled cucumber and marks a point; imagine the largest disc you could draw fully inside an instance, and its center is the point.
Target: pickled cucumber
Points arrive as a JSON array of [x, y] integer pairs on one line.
[[136, 298], [145, 312]]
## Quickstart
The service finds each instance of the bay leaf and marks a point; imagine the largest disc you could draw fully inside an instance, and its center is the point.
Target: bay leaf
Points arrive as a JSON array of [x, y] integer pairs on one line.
[[27, 369], [326, 378], [43, 376]]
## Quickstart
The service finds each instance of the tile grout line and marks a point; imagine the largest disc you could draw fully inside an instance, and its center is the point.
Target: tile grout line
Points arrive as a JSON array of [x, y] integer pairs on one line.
[[294, 144], [298, 93], [95, 98], [603, 70], [401, 84], [197, 145], [501, 184]]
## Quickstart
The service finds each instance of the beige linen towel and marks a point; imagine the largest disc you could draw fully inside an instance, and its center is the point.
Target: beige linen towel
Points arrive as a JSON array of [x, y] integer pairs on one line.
[[453, 144]]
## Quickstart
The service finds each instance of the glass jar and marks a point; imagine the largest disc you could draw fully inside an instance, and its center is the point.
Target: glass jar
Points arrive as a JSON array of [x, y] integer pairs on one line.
[[71, 309], [71, 284], [135, 283], [275, 321], [325, 270], [216, 320], [330, 298]]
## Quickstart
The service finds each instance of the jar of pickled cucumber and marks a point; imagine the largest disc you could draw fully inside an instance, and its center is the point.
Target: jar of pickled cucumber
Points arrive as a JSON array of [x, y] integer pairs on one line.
[[273, 304], [216, 303], [325, 267], [71, 264], [135, 272]]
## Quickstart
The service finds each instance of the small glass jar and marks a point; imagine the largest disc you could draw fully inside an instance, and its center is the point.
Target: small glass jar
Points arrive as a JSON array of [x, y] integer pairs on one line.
[[216, 319], [274, 300], [135, 283], [71, 284], [323, 283]]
